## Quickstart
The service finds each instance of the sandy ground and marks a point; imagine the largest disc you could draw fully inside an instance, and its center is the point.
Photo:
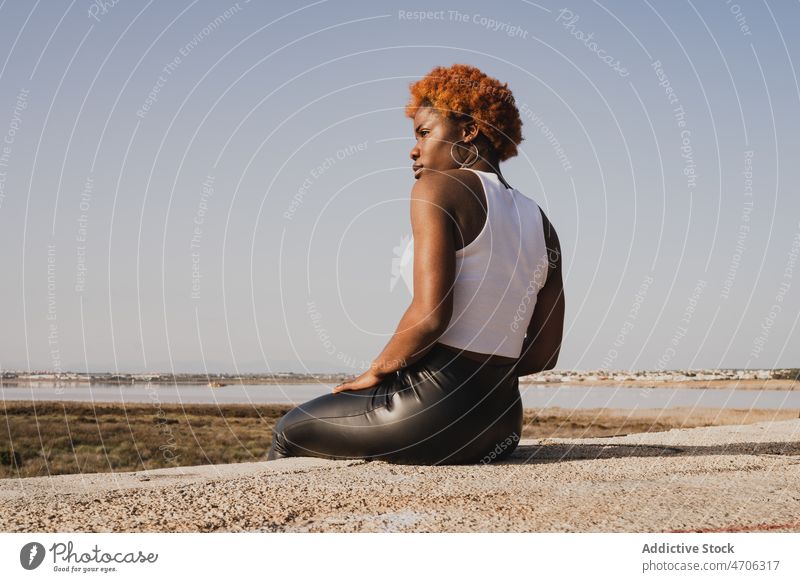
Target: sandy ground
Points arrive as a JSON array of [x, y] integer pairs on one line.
[[721, 478]]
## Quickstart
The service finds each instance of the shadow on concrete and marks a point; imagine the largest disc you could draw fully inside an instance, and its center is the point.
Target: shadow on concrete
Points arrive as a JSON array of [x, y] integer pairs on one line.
[[559, 452]]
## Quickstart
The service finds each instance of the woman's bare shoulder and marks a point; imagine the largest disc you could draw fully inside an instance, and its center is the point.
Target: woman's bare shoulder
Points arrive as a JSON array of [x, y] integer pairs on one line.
[[549, 230], [551, 241], [446, 187]]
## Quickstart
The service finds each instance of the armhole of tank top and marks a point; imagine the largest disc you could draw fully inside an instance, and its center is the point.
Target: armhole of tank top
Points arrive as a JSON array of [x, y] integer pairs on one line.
[[460, 251]]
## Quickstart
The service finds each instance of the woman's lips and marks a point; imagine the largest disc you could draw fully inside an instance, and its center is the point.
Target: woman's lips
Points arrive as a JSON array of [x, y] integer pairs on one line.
[[416, 169]]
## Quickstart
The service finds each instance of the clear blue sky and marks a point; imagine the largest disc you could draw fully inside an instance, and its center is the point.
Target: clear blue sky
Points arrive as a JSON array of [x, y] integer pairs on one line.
[[222, 186]]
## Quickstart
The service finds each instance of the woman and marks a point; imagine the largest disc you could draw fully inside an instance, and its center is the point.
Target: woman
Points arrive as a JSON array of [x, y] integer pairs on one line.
[[488, 301]]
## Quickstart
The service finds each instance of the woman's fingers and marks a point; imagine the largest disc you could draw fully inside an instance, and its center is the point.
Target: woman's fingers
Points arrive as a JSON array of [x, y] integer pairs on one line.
[[350, 387], [363, 382]]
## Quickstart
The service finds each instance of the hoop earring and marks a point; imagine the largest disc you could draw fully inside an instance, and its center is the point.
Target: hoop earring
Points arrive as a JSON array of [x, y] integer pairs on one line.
[[464, 164]]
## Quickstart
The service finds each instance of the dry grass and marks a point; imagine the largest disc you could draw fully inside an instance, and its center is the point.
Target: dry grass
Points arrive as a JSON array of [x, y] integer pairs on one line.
[[54, 438], [57, 438]]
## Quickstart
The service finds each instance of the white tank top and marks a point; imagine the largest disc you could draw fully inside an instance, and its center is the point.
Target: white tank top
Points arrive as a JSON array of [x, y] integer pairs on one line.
[[498, 275]]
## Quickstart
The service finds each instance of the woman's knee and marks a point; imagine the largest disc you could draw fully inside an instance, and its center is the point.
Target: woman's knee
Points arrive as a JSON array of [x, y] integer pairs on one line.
[[322, 427], [280, 442]]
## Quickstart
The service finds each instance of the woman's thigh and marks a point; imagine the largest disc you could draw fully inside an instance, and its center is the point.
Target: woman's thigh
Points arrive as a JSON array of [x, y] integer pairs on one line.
[[333, 425], [414, 417]]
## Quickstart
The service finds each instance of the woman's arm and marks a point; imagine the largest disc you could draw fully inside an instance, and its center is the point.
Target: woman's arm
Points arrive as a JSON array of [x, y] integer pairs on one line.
[[432, 224], [542, 342]]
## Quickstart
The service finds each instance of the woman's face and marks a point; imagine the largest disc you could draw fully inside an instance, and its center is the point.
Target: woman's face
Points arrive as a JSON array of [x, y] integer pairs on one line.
[[435, 134]]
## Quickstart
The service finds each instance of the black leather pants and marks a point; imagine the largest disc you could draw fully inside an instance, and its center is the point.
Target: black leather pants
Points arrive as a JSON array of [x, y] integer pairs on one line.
[[442, 409]]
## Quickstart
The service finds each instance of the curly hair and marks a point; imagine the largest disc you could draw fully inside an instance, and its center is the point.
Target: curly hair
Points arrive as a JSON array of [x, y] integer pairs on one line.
[[465, 91]]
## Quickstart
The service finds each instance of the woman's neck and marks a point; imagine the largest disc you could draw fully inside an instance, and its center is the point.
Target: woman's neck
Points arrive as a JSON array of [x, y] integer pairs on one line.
[[491, 166]]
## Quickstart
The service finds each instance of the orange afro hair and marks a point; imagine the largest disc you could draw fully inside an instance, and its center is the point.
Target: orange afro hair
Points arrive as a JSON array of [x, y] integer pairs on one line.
[[464, 90]]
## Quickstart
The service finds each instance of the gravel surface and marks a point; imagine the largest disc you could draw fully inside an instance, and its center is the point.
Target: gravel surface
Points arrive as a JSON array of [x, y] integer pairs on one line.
[[723, 478]]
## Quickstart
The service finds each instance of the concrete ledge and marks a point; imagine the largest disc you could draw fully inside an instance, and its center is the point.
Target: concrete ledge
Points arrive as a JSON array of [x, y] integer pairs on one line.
[[725, 478]]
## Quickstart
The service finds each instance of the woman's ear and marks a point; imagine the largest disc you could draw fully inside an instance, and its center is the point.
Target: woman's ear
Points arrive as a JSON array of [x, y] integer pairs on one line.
[[469, 130]]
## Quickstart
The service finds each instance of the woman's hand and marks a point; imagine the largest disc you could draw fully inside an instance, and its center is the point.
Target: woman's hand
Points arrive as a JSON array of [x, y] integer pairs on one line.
[[366, 380]]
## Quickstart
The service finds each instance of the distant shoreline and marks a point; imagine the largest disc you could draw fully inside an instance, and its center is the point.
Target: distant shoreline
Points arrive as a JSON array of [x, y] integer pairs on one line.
[[718, 384], [785, 385], [743, 379]]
